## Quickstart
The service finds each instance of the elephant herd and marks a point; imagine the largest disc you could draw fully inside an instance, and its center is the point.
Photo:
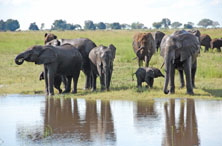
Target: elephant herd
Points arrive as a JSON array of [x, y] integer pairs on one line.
[[63, 59]]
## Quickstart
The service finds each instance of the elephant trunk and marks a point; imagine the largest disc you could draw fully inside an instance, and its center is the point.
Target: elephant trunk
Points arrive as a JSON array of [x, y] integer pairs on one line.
[[107, 78], [167, 76], [139, 54], [20, 58]]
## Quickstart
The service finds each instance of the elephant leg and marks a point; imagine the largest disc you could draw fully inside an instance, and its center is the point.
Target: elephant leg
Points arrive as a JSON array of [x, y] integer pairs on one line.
[[51, 78], [182, 84], [75, 82], [187, 70], [193, 72], [68, 86], [147, 59], [218, 49], [88, 82], [172, 75], [206, 49], [150, 82], [94, 82], [57, 83], [140, 62], [46, 80], [102, 82], [139, 83]]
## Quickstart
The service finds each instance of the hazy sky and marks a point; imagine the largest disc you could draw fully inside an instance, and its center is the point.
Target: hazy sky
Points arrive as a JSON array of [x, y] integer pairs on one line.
[[123, 11]]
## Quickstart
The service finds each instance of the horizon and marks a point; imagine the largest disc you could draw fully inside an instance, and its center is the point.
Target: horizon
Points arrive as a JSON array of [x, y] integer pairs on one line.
[[76, 12]]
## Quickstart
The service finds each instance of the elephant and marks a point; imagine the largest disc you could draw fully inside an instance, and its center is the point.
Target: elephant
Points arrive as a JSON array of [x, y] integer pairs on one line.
[[84, 45], [158, 36], [180, 51], [101, 60], [147, 74], [197, 34], [61, 60], [216, 43], [205, 40], [144, 47]]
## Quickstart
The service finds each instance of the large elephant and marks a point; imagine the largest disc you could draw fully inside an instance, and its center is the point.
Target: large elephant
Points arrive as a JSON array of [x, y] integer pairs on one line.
[[144, 47], [216, 43], [101, 59], [84, 46], [205, 40], [158, 36], [179, 50], [62, 60]]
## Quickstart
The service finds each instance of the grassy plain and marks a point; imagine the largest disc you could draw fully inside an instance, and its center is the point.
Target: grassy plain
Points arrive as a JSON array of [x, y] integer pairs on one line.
[[23, 79]]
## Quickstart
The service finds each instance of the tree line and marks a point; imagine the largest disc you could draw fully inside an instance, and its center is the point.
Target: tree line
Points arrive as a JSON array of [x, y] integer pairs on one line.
[[12, 25]]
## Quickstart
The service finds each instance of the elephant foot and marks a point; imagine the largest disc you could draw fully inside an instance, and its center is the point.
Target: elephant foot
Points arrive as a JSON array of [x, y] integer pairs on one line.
[[66, 91], [74, 92], [190, 92], [60, 91], [166, 91], [93, 90], [51, 94], [172, 91]]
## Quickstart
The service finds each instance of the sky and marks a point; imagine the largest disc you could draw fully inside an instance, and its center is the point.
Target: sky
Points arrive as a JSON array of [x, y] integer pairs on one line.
[[109, 11]]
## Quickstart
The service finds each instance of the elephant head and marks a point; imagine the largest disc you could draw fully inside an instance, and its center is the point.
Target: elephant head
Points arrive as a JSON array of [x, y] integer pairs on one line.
[[37, 54], [179, 46], [49, 37], [105, 58]]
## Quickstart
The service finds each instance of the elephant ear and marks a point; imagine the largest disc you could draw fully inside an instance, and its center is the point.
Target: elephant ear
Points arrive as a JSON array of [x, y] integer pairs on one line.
[[113, 50], [152, 44], [190, 46], [47, 55]]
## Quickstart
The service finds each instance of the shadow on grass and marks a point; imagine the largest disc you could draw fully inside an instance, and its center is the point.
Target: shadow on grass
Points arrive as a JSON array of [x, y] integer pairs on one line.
[[214, 92]]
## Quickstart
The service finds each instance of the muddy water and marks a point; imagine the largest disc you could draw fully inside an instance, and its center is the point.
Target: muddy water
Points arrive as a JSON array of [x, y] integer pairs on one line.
[[36, 120]]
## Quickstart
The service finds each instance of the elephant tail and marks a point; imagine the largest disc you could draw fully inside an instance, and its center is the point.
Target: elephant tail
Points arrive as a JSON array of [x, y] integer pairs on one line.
[[133, 75]]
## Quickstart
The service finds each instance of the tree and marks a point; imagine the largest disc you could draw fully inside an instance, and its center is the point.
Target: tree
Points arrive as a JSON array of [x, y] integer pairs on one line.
[[89, 25], [2, 25], [125, 26], [188, 26], [166, 22], [59, 25], [157, 25], [115, 25], [33, 26], [205, 23], [101, 25], [137, 25], [12, 25], [215, 24], [176, 24]]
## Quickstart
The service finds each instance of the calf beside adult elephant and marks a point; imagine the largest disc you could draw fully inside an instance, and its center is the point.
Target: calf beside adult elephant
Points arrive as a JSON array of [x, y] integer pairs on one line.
[[101, 60], [84, 46], [144, 47], [180, 50], [61, 60]]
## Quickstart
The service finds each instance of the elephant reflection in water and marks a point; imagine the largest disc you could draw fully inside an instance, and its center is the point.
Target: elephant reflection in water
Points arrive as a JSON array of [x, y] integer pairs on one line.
[[145, 109], [186, 133], [63, 118]]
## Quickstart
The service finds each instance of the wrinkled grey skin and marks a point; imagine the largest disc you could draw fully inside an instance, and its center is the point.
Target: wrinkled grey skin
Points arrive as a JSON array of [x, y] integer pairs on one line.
[[179, 51], [62, 60], [158, 36], [147, 74], [84, 46], [101, 59]]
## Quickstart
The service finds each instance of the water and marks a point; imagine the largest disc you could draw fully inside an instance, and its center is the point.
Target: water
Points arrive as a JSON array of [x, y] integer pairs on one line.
[[37, 120]]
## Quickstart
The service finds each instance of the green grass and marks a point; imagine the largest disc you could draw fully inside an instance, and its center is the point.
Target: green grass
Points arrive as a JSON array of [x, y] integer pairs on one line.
[[23, 79]]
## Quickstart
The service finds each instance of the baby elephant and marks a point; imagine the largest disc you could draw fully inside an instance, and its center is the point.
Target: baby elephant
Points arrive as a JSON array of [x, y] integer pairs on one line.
[[147, 74], [57, 81]]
